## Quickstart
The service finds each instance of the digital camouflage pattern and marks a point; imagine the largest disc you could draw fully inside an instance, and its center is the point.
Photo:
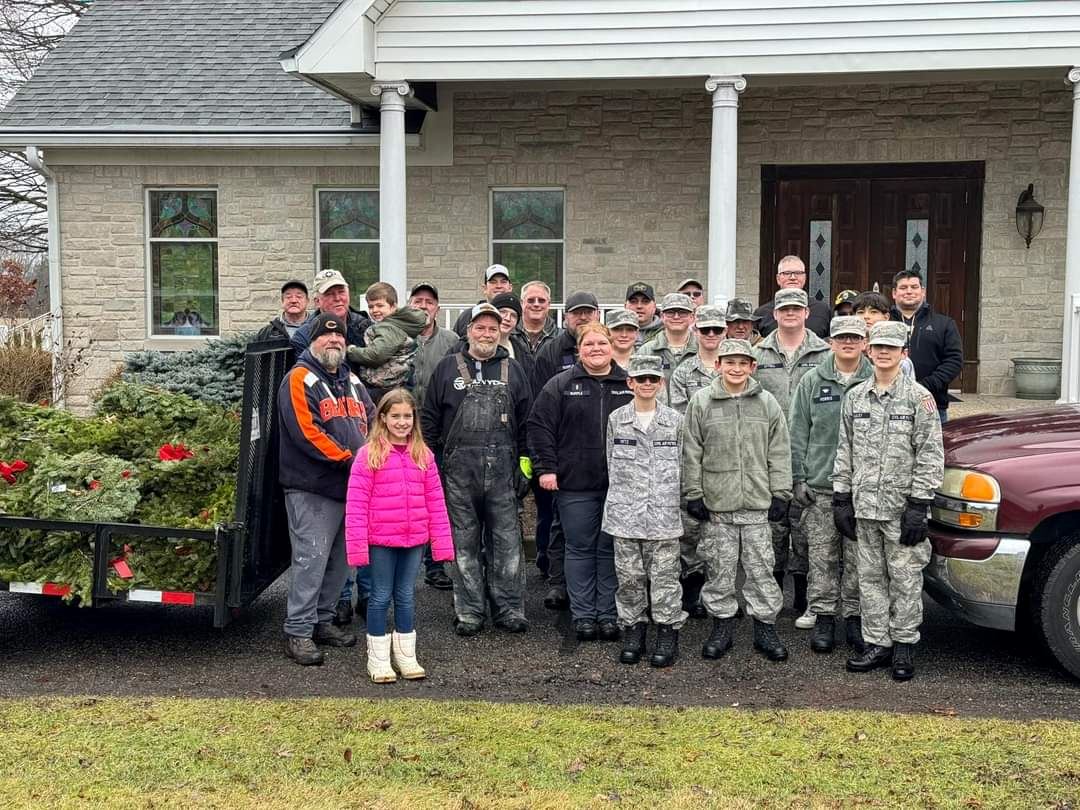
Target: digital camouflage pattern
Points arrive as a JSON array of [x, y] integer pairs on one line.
[[688, 378], [890, 583], [648, 570], [731, 538], [833, 577]]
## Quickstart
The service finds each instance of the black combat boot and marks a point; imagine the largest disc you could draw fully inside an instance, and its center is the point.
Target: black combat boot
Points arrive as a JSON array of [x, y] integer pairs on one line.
[[691, 594], [853, 630], [768, 643], [343, 613], [608, 630], [667, 646], [799, 605], [903, 662], [633, 643], [720, 640], [872, 657], [824, 638], [556, 598]]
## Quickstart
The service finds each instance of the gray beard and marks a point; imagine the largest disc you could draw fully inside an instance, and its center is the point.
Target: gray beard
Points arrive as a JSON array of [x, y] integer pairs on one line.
[[329, 359], [482, 352]]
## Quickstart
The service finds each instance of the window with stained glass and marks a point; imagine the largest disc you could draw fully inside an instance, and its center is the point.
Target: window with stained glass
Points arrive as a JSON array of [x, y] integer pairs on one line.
[[183, 231], [349, 235], [527, 235]]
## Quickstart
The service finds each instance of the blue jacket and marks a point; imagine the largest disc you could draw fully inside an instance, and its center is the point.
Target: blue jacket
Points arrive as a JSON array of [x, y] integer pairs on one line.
[[358, 324]]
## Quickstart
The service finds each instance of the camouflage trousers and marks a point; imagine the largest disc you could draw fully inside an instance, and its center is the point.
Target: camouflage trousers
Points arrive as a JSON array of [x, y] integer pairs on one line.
[[688, 545], [833, 579], [890, 583], [789, 544], [725, 544], [644, 568]]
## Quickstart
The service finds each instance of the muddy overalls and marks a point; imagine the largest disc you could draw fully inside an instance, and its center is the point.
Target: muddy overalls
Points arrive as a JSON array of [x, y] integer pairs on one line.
[[479, 463]]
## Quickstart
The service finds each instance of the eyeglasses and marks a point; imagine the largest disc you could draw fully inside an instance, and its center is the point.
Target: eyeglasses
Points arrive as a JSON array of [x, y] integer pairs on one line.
[[791, 273], [693, 293], [676, 313], [536, 300], [648, 380], [711, 330], [848, 338]]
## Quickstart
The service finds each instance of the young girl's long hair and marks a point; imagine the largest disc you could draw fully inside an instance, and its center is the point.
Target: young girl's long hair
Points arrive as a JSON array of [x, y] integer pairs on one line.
[[378, 443]]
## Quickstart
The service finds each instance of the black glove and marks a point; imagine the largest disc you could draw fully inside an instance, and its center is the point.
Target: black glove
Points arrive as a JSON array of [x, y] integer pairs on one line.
[[843, 514], [696, 509], [804, 496], [913, 523], [778, 510]]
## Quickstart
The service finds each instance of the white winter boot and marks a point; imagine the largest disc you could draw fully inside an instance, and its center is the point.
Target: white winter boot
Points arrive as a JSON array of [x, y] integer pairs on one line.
[[404, 655], [378, 660]]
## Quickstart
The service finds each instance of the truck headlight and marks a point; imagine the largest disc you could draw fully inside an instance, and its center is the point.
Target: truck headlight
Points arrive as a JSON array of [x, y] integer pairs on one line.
[[967, 499]]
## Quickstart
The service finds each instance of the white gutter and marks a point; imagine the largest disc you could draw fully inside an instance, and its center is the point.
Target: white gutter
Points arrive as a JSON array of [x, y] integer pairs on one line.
[[52, 202], [45, 140]]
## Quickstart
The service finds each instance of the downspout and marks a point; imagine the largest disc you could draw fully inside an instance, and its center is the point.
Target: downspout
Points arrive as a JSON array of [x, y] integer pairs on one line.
[[37, 162]]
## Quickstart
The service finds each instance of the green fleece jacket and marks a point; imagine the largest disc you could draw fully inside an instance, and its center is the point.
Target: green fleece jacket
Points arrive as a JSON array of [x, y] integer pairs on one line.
[[736, 451], [814, 420]]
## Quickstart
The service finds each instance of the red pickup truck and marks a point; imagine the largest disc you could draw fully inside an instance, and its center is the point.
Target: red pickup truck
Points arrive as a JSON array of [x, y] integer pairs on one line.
[[1006, 525]]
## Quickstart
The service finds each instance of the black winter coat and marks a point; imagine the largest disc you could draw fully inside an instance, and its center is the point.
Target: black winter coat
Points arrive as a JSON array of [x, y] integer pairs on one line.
[[935, 350], [568, 426], [555, 356]]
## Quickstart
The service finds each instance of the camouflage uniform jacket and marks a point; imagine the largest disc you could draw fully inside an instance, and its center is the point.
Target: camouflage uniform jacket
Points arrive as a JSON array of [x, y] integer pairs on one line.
[[689, 378], [736, 451], [779, 374], [814, 420], [643, 475], [386, 359], [669, 359], [889, 447]]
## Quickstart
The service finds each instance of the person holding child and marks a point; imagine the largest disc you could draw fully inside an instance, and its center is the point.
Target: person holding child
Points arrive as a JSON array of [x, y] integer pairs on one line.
[[393, 510], [386, 359]]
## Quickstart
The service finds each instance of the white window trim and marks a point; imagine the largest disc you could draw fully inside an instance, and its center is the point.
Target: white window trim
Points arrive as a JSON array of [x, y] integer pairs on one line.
[[318, 222], [492, 241], [152, 240]]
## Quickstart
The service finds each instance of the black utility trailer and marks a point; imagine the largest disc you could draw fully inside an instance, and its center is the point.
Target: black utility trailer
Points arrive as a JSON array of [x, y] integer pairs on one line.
[[252, 551]]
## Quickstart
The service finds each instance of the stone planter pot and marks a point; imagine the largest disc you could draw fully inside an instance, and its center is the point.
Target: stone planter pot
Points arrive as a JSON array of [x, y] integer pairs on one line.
[[1037, 377]]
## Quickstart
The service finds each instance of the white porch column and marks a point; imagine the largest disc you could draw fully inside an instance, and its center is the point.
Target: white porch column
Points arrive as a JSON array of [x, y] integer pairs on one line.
[[392, 243], [1070, 333], [723, 191]]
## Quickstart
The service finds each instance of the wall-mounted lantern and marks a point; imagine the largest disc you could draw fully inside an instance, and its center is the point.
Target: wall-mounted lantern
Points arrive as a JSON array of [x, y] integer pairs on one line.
[[1029, 215]]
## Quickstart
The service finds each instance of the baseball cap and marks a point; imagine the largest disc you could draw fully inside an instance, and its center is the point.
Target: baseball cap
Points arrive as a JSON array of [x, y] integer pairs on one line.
[[846, 297], [327, 322], [484, 309], [687, 281], [640, 288], [790, 297], [847, 325], [325, 279], [496, 270], [645, 365], [889, 333], [735, 348], [708, 315], [294, 283], [620, 317], [676, 301], [579, 299], [740, 310], [423, 285]]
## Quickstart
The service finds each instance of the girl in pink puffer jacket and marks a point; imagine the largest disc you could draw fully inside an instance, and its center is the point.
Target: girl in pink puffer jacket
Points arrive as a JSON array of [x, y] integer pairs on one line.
[[393, 508]]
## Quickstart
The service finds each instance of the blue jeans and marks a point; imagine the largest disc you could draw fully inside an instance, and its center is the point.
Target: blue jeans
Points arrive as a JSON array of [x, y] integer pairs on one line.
[[393, 577], [589, 557], [363, 577]]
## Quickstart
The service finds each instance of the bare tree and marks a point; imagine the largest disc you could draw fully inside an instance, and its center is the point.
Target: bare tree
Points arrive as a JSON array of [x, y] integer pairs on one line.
[[29, 30]]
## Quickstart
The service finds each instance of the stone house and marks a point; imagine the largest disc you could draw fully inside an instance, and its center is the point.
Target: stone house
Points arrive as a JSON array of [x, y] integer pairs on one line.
[[200, 153]]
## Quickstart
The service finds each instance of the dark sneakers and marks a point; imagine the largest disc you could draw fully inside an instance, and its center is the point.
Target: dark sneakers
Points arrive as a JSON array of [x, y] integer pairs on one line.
[[720, 640], [667, 646], [332, 636], [467, 628], [513, 625], [853, 631], [303, 651], [608, 630], [436, 578], [824, 638], [556, 598], [903, 662], [585, 629], [768, 643], [343, 613], [633, 644], [872, 657]]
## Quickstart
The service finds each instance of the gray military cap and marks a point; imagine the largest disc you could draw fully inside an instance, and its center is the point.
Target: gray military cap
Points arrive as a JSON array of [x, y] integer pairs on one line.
[[889, 333], [708, 315], [645, 365], [620, 317], [790, 297], [739, 310], [676, 301], [847, 325], [735, 348]]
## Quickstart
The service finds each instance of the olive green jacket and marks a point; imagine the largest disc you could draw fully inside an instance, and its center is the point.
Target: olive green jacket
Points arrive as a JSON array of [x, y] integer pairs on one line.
[[814, 420], [736, 451]]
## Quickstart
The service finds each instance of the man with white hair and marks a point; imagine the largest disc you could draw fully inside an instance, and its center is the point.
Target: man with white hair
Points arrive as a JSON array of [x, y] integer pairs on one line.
[[791, 275]]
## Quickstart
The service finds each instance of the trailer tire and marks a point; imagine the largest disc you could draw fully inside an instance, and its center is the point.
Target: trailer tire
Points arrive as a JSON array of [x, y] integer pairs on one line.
[[1057, 595]]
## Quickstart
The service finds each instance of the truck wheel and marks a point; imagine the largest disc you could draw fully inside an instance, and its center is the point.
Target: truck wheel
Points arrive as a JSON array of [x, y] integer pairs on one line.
[[1057, 589]]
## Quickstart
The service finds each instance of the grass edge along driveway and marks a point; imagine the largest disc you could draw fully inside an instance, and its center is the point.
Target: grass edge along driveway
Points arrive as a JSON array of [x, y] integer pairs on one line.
[[420, 754]]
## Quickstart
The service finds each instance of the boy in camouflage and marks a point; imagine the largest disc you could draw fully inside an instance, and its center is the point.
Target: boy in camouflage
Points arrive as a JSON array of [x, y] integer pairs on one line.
[[385, 360], [676, 343], [736, 476], [814, 421], [641, 512], [889, 461]]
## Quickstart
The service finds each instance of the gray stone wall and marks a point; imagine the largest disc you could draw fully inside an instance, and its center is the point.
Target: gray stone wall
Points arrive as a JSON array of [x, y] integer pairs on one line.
[[635, 168]]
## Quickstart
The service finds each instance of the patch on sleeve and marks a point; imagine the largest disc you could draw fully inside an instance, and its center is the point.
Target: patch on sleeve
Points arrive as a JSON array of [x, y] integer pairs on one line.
[[930, 405], [310, 379]]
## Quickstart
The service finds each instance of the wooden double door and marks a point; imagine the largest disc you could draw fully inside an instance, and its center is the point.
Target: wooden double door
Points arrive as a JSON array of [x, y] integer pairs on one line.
[[857, 225]]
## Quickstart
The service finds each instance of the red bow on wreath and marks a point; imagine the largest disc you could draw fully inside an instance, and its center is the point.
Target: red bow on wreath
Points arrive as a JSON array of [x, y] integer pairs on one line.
[[174, 452], [8, 471]]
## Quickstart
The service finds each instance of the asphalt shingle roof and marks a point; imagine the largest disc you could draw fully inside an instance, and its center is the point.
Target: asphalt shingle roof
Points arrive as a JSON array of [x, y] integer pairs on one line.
[[136, 64]]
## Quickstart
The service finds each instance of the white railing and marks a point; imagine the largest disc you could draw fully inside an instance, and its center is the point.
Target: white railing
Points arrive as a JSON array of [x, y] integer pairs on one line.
[[1070, 366], [35, 332], [449, 313]]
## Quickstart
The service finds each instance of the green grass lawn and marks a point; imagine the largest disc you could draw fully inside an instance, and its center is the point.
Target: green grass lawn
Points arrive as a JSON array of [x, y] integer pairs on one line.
[[420, 754]]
